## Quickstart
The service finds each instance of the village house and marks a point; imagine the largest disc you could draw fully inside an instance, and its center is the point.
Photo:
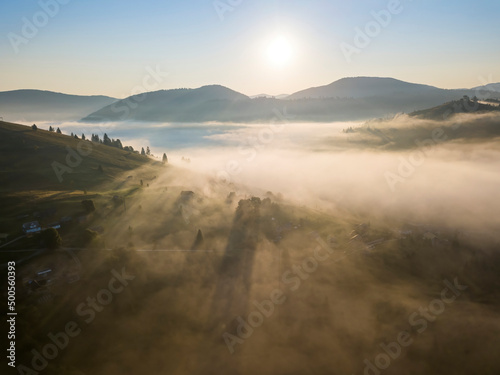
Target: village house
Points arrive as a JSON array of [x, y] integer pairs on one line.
[[55, 225], [32, 227]]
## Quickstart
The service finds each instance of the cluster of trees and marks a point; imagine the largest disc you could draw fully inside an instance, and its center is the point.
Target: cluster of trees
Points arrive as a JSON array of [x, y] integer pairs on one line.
[[118, 144], [93, 239], [88, 205], [51, 129], [147, 152], [51, 238], [110, 142]]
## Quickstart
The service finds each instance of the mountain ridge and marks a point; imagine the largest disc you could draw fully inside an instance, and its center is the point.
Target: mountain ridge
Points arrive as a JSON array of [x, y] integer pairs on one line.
[[357, 87], [33, 105], [347, 99]]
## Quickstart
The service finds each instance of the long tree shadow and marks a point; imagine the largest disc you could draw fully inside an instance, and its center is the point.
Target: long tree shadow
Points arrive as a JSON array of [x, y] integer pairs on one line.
[[233, 275], [234, 280], [231, 299]]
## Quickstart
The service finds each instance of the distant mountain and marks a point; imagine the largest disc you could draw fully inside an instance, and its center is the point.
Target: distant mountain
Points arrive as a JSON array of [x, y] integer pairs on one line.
[[450, 109], [489, 87], [388, 95], [207, 103], [364, 87], [38, 105], [348, 99]]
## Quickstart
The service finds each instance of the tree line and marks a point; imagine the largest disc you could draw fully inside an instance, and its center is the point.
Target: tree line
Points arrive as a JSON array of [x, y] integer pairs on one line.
[[109, 142]]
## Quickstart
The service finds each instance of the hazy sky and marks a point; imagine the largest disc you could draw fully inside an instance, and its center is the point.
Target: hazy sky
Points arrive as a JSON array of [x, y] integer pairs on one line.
[[252, 46]]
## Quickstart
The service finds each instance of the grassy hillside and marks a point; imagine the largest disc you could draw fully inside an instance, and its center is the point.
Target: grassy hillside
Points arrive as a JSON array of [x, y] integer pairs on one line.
[[28, 158], [43, 170], [447, 110], [448, 123]]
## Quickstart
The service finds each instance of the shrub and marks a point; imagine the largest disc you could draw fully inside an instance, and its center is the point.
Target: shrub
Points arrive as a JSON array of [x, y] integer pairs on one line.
[[88, 205]]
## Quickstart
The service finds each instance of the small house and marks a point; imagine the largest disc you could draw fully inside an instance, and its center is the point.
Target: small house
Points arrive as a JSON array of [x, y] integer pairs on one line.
[[32, 227], [55, 225]]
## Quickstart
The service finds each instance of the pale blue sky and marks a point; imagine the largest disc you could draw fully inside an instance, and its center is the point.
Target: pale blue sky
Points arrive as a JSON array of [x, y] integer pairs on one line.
[[105, 47]]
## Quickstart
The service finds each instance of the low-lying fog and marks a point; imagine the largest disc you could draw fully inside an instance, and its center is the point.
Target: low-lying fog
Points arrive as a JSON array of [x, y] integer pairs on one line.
[[314, 164]]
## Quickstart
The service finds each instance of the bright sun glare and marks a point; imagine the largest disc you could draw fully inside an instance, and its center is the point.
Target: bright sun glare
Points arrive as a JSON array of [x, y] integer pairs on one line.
[[279, 51]]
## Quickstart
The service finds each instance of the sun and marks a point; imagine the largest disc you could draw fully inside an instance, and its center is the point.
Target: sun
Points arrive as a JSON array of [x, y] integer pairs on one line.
[[280, 51]]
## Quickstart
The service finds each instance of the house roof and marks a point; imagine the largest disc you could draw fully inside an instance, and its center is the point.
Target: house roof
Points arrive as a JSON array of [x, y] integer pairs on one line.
[[31, 225]]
